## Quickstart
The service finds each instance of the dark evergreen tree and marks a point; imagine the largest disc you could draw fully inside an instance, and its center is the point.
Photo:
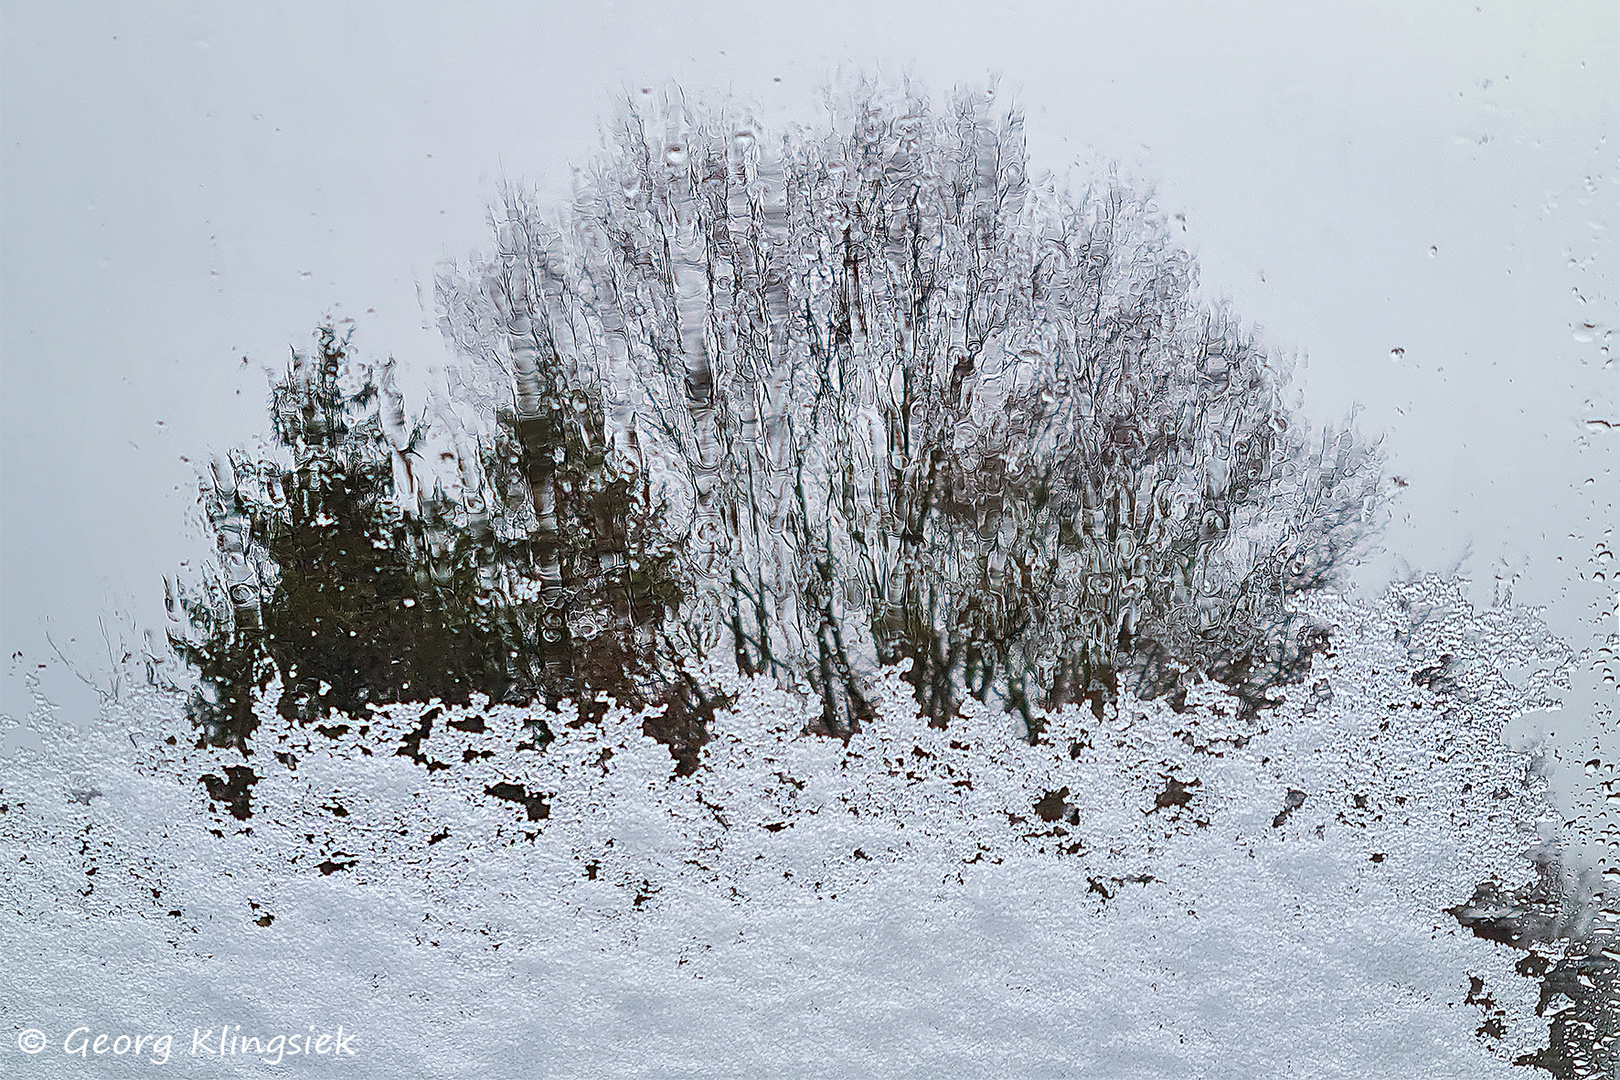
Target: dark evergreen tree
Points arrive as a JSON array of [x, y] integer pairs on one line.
[[339, 574]]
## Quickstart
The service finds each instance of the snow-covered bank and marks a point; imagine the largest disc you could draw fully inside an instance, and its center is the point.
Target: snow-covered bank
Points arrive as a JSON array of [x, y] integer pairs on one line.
[[1152, 893]]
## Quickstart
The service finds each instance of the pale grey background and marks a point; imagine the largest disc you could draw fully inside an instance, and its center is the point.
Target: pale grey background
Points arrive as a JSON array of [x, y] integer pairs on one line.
[[186, 185]]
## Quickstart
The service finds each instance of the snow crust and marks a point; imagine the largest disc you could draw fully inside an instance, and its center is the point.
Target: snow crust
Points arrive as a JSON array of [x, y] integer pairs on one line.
[[1151, 893]]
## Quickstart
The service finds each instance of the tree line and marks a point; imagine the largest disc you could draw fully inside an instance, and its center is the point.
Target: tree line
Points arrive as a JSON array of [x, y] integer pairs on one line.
[[854, 395]]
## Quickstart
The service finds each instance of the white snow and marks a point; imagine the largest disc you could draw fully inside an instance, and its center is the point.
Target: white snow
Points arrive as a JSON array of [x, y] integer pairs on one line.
[[798, 907]]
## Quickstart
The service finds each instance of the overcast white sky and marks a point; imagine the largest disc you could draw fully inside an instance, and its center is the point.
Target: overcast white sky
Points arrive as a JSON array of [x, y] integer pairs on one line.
[[186, 185]]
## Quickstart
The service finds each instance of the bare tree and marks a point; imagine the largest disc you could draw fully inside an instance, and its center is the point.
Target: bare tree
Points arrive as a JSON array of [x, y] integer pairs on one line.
[[907, 407]]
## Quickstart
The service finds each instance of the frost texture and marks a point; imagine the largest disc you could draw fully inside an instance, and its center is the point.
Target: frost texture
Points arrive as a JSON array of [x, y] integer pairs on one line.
[[1155, 892], [856, 431]]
